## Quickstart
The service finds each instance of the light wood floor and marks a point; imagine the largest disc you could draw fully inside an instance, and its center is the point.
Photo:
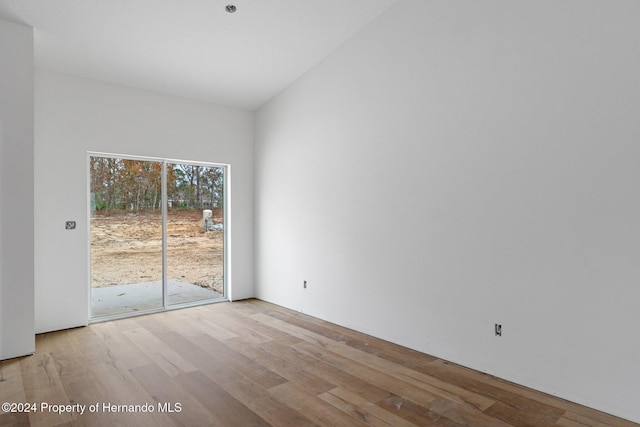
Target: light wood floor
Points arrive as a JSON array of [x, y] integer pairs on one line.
[[250, 363]]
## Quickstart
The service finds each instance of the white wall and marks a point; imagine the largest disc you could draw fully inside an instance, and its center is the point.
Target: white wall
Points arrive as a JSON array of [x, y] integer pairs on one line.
[[462, 163], [74, 116], [16, 191]]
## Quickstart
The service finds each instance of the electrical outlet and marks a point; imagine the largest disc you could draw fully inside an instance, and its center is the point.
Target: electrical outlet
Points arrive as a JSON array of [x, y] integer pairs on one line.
[[498, 330], [304, 285]]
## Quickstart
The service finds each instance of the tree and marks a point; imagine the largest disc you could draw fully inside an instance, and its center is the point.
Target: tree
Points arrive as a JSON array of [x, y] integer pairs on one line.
[[136, 185]]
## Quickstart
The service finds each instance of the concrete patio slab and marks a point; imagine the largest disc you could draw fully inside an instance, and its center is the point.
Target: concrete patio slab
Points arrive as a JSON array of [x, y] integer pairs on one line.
[[118, 299]]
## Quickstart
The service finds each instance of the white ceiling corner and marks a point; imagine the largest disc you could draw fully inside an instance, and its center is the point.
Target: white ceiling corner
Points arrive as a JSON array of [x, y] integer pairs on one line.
[[192, 48]]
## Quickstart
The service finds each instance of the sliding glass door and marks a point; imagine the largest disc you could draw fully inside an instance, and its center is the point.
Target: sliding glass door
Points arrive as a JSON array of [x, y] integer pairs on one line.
[[157, 232], [195, 232]]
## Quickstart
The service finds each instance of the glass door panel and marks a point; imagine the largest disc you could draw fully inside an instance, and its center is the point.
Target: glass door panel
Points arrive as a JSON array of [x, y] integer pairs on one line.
[[195, 233], [126, 235]]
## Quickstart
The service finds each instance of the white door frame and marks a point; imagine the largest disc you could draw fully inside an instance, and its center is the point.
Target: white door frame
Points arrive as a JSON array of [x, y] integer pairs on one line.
[[226, 212]]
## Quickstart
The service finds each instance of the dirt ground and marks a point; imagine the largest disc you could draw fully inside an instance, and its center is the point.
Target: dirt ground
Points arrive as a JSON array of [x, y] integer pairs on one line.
[[127, 248]]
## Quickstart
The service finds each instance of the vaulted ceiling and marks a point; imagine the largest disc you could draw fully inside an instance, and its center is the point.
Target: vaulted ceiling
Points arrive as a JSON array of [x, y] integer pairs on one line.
[[192, 48]]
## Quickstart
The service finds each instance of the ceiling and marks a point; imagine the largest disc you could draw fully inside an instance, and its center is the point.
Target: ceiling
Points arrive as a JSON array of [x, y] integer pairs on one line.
[[192, 48]]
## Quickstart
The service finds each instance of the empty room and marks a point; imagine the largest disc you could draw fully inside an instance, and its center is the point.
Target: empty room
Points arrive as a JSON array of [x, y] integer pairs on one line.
[[320, 212]]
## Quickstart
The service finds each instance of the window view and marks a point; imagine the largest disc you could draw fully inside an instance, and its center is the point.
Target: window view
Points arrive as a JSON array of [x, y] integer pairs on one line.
[[195, 232], [133, 267]]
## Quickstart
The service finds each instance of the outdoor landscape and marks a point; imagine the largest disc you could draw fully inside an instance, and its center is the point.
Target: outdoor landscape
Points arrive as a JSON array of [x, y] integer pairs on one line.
[[126, 223], [127, 248]]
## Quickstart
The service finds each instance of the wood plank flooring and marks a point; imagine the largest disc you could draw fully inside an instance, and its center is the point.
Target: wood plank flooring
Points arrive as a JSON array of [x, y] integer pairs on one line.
[[251, 363]]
